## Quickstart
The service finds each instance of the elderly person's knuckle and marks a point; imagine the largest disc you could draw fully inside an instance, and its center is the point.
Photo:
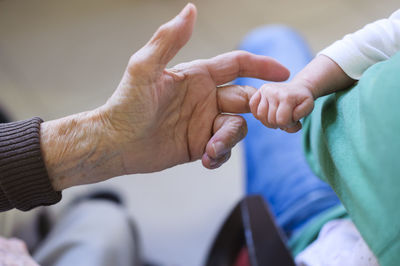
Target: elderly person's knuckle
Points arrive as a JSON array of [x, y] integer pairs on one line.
[[138, 62], [238, 53], [162, 31], [242, 94], [242, 54], [138, 68], [240, 126]]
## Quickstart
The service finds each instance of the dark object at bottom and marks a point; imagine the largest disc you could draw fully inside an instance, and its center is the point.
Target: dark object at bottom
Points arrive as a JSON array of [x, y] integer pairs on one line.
[[4, 117], [102, 194], [250, 226]]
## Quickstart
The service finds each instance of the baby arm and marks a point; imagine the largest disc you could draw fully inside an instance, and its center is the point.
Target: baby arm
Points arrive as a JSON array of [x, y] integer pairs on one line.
[[282, 105], [334, 69]]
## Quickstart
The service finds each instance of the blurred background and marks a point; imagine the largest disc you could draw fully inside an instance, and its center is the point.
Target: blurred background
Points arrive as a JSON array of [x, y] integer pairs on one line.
[[62, 57]]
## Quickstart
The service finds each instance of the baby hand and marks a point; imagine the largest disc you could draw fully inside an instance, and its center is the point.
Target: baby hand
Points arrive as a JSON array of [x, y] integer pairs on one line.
[[282, 105]]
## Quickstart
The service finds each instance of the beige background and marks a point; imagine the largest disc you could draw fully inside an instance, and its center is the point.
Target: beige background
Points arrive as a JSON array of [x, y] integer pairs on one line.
[[60, 57]]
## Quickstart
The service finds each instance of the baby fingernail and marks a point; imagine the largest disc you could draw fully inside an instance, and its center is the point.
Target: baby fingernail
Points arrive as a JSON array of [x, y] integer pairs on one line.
[[219, 148]]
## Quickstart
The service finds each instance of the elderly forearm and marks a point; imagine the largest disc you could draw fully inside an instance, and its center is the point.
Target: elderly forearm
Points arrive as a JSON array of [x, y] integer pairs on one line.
[[76, 150]]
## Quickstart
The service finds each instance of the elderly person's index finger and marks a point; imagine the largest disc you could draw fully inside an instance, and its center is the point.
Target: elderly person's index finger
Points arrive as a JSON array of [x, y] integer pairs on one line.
[[226, 67], [234, 98]]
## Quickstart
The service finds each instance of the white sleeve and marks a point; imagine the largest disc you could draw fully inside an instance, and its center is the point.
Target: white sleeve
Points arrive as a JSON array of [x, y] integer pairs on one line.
[[375, 42]]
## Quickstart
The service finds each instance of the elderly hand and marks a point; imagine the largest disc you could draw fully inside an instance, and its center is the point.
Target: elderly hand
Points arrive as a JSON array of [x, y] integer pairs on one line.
[[14, 252], [158, 117]]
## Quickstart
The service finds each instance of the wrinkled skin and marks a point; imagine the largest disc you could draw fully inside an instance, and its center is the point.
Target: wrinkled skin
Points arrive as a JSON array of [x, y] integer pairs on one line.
[[14, 252], [177, 115]]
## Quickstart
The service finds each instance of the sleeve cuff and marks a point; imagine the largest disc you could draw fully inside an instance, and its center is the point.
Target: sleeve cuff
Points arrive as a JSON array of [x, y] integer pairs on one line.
[[23, 175], [349, 59]]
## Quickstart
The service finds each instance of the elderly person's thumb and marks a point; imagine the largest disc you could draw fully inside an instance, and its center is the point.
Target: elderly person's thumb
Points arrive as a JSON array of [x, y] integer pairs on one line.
[[166, 42]]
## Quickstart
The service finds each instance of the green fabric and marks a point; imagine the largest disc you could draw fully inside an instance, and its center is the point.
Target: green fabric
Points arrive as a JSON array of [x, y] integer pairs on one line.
[[309, 233], [352, 141]]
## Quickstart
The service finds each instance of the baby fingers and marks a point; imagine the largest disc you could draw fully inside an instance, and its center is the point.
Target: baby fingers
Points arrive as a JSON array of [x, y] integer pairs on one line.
[[284, 115]]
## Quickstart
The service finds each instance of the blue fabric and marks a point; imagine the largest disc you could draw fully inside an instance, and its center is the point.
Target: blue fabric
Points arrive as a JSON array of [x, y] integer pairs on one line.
[[275, 163]]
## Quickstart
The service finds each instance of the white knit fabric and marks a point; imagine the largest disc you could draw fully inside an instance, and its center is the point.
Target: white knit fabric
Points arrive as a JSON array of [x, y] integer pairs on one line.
[[375, 42]]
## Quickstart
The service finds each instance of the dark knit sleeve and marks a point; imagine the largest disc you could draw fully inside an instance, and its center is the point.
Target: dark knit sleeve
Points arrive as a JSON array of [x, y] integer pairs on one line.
[[24, 182]]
